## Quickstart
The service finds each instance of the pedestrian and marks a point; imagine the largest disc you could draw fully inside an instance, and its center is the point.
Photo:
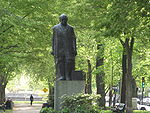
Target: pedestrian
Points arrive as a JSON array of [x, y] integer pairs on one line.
[[31, 99]]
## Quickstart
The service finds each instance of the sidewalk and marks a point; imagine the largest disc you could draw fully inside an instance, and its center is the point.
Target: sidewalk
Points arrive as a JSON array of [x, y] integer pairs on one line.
[[26, 108]]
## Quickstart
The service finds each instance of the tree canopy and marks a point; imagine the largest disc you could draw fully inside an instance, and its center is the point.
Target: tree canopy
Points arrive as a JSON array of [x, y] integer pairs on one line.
[[25, 36]]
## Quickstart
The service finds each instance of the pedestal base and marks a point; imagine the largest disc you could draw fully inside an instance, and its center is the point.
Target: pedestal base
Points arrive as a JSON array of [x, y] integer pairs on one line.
[[66, 88]]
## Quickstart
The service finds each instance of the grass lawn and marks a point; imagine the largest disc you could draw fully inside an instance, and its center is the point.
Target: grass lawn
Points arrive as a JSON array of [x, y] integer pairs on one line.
[[141, 111], [7, 111]]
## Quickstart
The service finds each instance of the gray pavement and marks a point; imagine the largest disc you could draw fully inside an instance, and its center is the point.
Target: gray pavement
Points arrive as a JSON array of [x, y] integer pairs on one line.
[[26, 108]]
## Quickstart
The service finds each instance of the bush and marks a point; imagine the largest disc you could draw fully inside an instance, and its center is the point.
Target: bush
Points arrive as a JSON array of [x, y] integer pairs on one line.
[[80, 103], [83, 110], [47, 110]]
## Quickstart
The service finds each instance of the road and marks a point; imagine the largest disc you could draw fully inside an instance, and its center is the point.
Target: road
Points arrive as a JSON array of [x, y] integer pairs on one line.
[[26, 108]]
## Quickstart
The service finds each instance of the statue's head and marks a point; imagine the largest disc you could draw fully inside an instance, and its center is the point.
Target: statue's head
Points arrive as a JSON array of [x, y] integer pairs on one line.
[[63, 19]]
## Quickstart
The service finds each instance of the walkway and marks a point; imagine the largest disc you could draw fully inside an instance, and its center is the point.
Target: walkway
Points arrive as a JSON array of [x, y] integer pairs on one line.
[[26, 108]]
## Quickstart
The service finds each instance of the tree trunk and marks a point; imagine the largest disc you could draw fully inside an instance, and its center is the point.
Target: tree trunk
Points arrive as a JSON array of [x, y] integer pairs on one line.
[[129, 75], [100, 76], [111, 84], [134, 88], [2, 93], [88, 88], [110, 96], [128, 46], [123, 85], [3, 83]]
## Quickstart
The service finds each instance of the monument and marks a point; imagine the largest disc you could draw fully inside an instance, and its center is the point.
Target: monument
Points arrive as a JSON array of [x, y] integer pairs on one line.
[[64, 48], [68, 81]]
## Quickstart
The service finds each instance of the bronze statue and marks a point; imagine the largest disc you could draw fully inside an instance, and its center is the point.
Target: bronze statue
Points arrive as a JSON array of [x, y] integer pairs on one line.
[[64, 48]]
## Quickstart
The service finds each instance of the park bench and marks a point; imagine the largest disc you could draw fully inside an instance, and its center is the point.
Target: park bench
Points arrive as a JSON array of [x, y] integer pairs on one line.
[[45, 105], [2, 109], [7, 105], [119, 108]]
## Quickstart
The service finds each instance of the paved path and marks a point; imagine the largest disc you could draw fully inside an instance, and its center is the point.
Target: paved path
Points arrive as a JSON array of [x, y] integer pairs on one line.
[[26, 108]]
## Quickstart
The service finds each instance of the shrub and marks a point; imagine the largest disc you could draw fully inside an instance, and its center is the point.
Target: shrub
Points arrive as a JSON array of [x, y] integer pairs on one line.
[[80, 103], [47, 110]]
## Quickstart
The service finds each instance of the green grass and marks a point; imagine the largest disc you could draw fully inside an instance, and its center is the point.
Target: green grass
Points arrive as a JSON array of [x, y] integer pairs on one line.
[[141, 111], [8, 111]]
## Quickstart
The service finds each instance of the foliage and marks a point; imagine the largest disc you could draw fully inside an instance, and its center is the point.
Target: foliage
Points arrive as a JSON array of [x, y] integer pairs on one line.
[[47, 110], [86, 103], [25, 36], [24, 43]]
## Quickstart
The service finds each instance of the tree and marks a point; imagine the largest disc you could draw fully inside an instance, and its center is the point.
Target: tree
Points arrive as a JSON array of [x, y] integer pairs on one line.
[[85, 60], [99, 25], [22, 38], [123, 20], [100, 75]]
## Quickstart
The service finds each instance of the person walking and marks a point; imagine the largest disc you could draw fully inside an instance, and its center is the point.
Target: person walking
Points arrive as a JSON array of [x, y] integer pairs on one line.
[[31, 99]]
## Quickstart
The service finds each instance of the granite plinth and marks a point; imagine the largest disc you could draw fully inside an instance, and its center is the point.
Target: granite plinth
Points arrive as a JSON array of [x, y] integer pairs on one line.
[[65, 87]]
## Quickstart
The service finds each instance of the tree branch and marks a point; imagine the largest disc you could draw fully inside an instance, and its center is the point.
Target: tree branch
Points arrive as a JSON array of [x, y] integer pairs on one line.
[[6, 29], [131, 43], [121, 41], [136, 76], [15, 51], [8, 47], [12, 25]]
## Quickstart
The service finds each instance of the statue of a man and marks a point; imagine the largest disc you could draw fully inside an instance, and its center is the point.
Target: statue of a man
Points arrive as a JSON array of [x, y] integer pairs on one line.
[[64, 48]]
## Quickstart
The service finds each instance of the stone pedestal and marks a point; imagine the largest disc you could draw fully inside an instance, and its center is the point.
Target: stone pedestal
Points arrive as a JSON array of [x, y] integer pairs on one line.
[[66, 88]]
